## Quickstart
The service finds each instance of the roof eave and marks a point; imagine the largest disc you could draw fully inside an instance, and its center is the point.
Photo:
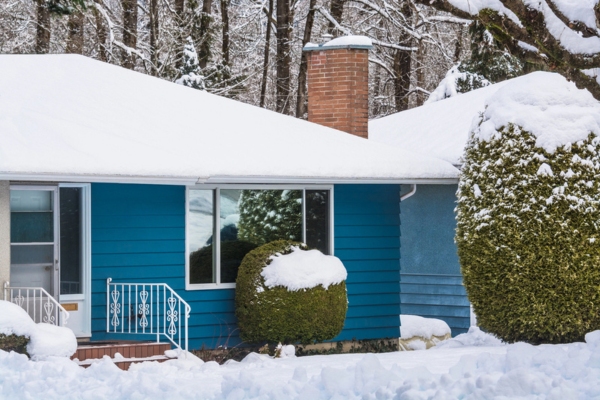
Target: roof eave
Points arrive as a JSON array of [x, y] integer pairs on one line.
[[225, 179]]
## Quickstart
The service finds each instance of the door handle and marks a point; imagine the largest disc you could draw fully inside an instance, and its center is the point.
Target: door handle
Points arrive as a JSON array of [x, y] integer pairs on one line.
[[47, 267]]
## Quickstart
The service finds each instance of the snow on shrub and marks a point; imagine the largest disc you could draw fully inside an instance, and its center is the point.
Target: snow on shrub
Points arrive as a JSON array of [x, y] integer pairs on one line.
[[286, 293], [41, 340], [528, 214]]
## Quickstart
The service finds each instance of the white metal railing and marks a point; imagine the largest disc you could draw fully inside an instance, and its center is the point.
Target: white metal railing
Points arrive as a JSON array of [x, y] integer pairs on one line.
[[38, 303], [147, 308]]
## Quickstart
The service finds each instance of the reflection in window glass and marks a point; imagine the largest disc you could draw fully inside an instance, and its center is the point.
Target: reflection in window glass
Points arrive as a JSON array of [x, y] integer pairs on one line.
[[251, 218], [71, 245], [31, 216], [317, 220], [200, 229]]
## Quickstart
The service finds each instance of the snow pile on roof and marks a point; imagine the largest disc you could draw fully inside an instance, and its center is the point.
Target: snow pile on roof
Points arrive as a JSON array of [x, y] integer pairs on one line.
[[544, 104], [414, 325], [82, 117], [439, 129], [45, 340], [475, 337], [303, 269]]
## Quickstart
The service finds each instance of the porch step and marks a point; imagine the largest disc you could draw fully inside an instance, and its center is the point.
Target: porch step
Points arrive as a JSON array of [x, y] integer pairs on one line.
[[128, 352]]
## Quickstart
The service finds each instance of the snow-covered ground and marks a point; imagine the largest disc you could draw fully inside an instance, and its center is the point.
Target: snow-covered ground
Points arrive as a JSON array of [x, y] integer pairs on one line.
[[461, 369]]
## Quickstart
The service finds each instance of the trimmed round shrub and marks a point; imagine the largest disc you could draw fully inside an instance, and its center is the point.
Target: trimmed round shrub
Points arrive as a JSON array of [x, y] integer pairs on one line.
[[528, 236], [279, 315]]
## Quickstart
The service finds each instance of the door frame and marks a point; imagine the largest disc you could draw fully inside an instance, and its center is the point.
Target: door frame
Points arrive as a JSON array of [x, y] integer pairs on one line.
[[86, 234], [86, 270]]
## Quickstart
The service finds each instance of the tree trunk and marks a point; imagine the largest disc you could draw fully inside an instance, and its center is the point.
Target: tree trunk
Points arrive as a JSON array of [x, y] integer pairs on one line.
[[180, 38], [421, 54], [75, 29], [301, 108], [130, 18], [263, 86], [42, 42], [402, 65], [154, 36], [204, 34], [225, 30], [337, 11], [283, 56], [101, 33], [376, 110]]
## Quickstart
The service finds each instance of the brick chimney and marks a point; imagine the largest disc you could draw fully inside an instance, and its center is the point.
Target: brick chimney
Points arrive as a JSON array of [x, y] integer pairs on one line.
[[338, 84]]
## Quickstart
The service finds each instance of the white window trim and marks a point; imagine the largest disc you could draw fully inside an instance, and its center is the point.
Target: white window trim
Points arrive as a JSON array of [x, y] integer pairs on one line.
[[217, 225]]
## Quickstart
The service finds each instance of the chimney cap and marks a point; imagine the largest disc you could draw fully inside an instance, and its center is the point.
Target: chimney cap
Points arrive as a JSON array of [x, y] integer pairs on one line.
[[342, 42]]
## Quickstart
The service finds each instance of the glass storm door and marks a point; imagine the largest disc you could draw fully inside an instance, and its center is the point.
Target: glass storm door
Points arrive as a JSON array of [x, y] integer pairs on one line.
[[33, 237], [50, 246]]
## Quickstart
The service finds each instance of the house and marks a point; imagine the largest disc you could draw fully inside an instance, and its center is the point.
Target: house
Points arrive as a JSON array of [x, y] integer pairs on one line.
[[121, 200], [431, 281]]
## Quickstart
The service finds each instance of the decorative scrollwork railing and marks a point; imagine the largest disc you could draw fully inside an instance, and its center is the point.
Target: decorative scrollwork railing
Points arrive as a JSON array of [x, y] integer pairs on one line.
[[149, 309], [38, 303]]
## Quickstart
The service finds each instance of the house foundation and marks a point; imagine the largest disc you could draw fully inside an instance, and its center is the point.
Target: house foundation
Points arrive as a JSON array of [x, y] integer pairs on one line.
[[4, 233]]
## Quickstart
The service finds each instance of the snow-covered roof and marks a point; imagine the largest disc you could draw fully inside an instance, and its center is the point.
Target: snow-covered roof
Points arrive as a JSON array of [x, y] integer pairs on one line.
[[438, 129], [543, 103], [71, 117]]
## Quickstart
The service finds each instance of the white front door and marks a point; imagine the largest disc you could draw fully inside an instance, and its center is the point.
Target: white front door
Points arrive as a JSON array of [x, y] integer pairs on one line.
[[50, 246]]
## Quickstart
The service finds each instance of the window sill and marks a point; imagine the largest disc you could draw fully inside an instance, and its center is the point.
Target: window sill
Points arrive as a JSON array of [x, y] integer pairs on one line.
[[209, 286]]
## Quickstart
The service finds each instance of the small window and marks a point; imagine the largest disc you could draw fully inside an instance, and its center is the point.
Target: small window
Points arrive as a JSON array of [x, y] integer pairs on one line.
[[248, 218]]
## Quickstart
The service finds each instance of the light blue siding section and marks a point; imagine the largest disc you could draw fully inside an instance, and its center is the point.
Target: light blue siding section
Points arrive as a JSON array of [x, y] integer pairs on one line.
[[138, 235], [431, 282], [367, 239]]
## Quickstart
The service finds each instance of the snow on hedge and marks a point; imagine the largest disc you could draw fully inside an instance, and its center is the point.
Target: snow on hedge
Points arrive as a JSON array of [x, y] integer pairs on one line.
[[45, 340], [544, 104], [414, 325], [304, 269]]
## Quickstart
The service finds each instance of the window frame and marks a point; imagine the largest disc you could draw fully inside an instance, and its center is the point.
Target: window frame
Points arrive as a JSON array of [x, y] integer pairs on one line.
[[217, 224]]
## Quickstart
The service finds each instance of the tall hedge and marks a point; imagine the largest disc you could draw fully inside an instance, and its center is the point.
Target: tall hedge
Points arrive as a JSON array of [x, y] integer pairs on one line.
[[528, 236], [279, 315]]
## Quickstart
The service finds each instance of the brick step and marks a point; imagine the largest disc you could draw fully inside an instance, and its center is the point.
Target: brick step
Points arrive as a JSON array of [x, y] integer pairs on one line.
[[125, 363], [129, 352]]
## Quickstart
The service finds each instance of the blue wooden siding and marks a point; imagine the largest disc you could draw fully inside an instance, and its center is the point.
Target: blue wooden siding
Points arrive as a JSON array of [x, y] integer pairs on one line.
[[431, 283], [367, 238], [138, 235]]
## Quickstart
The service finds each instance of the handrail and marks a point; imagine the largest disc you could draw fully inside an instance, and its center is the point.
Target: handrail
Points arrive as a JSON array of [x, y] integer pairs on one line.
[[147, 308], [49, 309]]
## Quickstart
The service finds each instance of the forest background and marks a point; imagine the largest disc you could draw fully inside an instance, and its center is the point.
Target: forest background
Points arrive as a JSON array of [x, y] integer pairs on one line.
[[251, 50]]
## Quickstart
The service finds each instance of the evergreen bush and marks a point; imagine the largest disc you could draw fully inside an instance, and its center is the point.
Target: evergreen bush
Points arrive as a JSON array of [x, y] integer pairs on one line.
[[279, 315], [14, 343], [528, 236]]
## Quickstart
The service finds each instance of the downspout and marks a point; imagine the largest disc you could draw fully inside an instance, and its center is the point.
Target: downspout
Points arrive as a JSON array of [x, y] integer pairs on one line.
[[412, 191]]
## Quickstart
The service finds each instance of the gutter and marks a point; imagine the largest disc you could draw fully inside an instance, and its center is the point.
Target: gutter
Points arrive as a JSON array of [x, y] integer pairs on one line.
[[412, 191], [214, 180]]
